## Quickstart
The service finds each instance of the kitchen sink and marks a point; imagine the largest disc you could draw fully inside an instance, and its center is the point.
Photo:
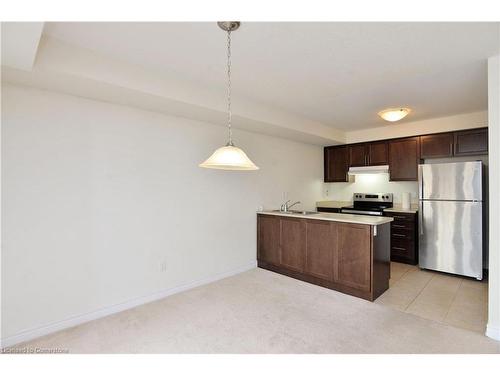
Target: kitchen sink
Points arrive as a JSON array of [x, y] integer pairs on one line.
[[297, 212]]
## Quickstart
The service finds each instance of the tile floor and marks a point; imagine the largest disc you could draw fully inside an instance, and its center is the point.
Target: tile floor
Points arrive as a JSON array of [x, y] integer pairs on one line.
[[452, 300]]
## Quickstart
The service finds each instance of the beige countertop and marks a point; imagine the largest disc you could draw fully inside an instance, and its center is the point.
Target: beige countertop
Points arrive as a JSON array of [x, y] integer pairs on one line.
[[344, 218], [338, 204]]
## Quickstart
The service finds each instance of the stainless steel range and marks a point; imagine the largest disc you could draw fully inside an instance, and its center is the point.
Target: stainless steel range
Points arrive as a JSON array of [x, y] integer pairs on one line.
[[369, 204]]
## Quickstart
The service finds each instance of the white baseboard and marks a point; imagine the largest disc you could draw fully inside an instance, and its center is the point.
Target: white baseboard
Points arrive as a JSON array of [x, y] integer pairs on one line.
[[493, 332], [80, 319]]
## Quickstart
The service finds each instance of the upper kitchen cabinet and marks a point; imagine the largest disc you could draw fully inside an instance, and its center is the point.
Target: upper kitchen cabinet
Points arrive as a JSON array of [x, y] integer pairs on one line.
[[436, 145], [403, 159], [471, 142], [336, 160], [378, 153], [365, 154], [357, 155], [459, 143]]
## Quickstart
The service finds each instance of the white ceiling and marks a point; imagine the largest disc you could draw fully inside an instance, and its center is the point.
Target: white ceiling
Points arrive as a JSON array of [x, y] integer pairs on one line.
[[338, 74]]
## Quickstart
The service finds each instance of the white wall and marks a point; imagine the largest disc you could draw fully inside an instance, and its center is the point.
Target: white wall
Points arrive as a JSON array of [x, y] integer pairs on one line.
[[434, 125], [96, 196], [493, 327]]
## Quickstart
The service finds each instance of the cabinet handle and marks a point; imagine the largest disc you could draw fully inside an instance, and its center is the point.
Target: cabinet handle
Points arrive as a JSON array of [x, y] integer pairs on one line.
[[399, 248], [399, 217], [398, 226], [398, 235]]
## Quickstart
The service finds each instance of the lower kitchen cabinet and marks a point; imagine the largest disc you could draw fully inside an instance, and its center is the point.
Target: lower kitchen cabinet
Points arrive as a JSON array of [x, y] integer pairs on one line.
[[292, 242], [354, 260], [350, 258], [404, 237], [268, 239], [320, 246]]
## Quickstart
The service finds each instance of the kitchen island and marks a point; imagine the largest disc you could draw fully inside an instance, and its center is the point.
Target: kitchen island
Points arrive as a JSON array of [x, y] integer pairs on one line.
[[347, 253]]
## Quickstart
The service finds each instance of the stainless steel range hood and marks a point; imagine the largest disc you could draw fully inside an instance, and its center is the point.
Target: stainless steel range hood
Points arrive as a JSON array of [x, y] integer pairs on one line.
[[375, 169]]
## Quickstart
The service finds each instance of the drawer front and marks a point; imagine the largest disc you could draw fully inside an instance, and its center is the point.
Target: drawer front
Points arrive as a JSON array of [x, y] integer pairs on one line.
[[399, 225], [401, 216], [402, 247], [402, 234]]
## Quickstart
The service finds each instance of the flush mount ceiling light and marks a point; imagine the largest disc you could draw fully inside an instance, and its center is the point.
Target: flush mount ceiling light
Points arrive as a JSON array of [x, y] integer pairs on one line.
[[394, 114], [229, 157]]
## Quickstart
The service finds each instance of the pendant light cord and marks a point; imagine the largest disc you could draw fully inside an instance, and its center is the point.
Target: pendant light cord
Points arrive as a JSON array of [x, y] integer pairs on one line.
[[229, 114]]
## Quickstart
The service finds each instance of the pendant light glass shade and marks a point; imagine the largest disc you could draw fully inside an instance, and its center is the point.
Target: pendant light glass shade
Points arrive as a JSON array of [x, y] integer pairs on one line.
[[230, 158]]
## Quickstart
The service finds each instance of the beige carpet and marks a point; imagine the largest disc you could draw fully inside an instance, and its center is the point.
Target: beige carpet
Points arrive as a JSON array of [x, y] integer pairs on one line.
[[263, 312]]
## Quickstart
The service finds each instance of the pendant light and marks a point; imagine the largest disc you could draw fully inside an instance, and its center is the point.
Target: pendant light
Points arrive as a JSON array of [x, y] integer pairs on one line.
[[229, 157]]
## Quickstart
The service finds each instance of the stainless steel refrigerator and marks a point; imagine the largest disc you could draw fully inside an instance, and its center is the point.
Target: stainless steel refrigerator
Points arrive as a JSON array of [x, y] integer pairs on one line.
[[450, 218]]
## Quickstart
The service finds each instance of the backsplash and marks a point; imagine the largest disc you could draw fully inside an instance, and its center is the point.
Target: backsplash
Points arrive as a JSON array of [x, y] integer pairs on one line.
[[373, 183]]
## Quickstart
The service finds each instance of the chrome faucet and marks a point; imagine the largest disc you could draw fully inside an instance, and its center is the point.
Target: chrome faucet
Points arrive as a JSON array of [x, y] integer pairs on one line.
[[285, 207]]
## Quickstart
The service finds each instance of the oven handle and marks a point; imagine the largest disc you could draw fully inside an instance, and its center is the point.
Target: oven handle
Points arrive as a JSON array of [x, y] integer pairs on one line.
[[372, 213]]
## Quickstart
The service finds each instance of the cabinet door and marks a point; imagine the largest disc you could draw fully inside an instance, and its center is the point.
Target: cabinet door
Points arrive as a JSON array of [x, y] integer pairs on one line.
[[320, 245], [471, 142], [436, 146], [403, 159], [292, 243], [268, 239], [354, 256], [336, 164], [378, 153], [358, 155]]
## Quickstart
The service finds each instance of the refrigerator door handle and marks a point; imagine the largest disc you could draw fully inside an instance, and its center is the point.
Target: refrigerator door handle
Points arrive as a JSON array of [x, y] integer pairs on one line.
[[420, 183], [420, 217]]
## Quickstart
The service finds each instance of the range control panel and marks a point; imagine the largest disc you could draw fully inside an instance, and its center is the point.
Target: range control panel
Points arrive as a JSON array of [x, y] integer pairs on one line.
[[368, 197]]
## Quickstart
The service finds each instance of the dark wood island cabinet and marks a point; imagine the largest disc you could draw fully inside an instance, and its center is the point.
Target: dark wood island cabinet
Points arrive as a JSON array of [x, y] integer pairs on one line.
[[348, 257]]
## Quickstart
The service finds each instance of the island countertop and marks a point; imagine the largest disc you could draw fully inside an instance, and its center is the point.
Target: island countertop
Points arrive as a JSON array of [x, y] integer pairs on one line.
[[344, 218]]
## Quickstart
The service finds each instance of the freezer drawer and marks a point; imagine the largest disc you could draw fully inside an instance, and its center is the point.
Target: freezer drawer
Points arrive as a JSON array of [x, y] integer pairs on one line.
[[450, 237]]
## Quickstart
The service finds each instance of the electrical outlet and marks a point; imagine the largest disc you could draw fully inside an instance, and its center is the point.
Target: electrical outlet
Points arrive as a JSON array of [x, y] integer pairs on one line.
[[163, 266]]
